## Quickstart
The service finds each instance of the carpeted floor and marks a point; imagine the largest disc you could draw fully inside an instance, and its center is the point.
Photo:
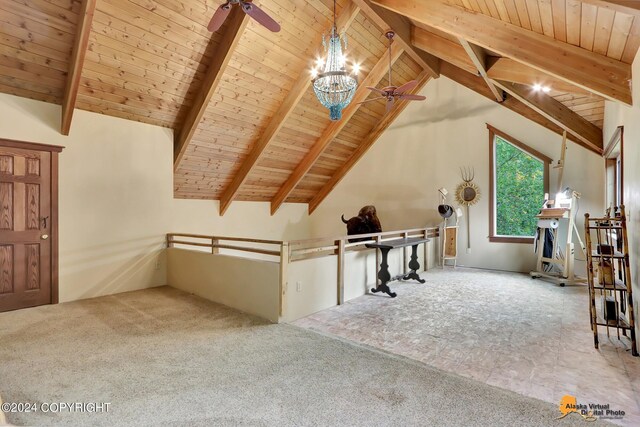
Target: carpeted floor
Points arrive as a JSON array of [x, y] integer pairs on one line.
[[504, 329], [163, 357]]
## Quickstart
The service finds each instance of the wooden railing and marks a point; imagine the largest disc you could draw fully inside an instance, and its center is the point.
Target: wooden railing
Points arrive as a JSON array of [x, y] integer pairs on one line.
[[213, 242], [314, 248], [298, 250]]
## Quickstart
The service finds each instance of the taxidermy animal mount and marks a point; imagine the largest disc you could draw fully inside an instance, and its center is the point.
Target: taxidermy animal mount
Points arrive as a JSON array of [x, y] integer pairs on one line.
[[366, 222]]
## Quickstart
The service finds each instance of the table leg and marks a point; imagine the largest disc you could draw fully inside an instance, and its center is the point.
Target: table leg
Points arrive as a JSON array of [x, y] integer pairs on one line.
[[384, 275], [414, 266]]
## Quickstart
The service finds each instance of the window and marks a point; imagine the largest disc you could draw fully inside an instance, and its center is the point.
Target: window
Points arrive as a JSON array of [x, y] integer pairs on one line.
[[519, 179]]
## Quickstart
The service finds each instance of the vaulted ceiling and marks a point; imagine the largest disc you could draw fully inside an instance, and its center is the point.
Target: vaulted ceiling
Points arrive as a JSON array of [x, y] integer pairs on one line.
[[247, 125]]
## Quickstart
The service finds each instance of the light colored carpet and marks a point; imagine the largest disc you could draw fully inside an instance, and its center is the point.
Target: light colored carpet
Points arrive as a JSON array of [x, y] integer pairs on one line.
[[504, 329], [163, 357], [3, 420]]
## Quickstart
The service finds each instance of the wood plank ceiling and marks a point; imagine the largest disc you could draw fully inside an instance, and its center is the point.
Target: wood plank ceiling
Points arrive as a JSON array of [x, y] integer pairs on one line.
[[602, 30], [246, 122]]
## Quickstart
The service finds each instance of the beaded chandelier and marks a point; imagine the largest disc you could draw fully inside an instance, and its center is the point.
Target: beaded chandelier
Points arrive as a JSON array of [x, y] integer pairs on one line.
[[333, 85]]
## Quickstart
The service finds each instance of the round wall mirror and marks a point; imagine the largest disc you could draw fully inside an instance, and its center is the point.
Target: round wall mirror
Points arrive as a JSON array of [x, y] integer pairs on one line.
[[467, 194]]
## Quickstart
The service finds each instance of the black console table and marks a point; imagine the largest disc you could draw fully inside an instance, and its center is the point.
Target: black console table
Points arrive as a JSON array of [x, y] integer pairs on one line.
[[414, 265]]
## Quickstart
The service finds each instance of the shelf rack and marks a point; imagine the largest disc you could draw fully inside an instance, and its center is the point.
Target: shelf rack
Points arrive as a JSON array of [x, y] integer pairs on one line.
[[609, 275]]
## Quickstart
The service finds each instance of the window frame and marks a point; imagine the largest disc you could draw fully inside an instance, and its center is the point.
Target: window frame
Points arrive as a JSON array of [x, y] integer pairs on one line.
[[546, 161]]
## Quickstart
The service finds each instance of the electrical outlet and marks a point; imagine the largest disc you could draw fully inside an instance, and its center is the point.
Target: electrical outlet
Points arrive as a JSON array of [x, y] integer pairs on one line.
[[299, 286], [468, 250], [157, 264]]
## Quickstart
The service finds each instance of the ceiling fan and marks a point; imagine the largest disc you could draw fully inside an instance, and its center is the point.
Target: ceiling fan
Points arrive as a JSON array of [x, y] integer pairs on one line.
[[247, 7], [391, 93]]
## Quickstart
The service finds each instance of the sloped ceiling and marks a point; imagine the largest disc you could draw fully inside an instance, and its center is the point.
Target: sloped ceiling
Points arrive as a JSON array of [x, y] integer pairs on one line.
[[246, 121]]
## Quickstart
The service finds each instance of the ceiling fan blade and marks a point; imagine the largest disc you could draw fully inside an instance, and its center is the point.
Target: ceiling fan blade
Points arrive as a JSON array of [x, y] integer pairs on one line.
[[219, 17], [407, 86], [411, 97], [375, 89], [260, 16], [372, 99], [390, 102]]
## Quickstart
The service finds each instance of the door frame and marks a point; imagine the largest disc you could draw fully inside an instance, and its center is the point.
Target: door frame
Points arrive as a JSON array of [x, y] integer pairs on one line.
[[54, 150], [617, 140]]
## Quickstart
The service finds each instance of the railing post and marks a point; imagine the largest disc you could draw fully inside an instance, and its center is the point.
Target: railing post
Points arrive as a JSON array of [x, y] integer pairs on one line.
[[340, 290], [378, 260], [404, 254], [426, 250], [284, 266], [214, 246]]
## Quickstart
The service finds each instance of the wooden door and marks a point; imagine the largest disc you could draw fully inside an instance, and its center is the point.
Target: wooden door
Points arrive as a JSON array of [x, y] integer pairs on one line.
[[28, 225]]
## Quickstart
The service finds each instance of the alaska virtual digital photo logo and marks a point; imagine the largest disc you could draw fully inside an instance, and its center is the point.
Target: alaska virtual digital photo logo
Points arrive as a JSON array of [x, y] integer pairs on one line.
[[589, 412]]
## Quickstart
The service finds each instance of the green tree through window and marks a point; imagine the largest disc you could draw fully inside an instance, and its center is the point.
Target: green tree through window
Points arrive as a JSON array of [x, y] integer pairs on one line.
[[519, 190]]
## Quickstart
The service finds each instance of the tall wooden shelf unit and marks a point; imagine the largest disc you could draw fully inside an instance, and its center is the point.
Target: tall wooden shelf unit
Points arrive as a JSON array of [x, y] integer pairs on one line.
[[609, 276]]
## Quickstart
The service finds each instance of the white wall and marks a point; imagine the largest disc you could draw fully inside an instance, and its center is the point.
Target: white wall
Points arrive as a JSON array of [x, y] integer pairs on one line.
[[251, 286], [423, 151], [116, 196], [116, 199], [312, 283], [629, 117]]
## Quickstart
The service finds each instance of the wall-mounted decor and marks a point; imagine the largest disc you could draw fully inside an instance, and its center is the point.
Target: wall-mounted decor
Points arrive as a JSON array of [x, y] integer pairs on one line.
[[468, 194]]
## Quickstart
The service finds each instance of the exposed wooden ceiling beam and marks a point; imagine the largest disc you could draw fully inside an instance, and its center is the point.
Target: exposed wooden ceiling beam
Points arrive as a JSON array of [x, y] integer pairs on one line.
[[511, 71], [386, 19], [479, 59], [588, 134], [343, 22], [366, 143], [631, 7], [75, 64], [497, 68], [476, 84], [376, 74], [597, 73], [236, 22], [444, 49]]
